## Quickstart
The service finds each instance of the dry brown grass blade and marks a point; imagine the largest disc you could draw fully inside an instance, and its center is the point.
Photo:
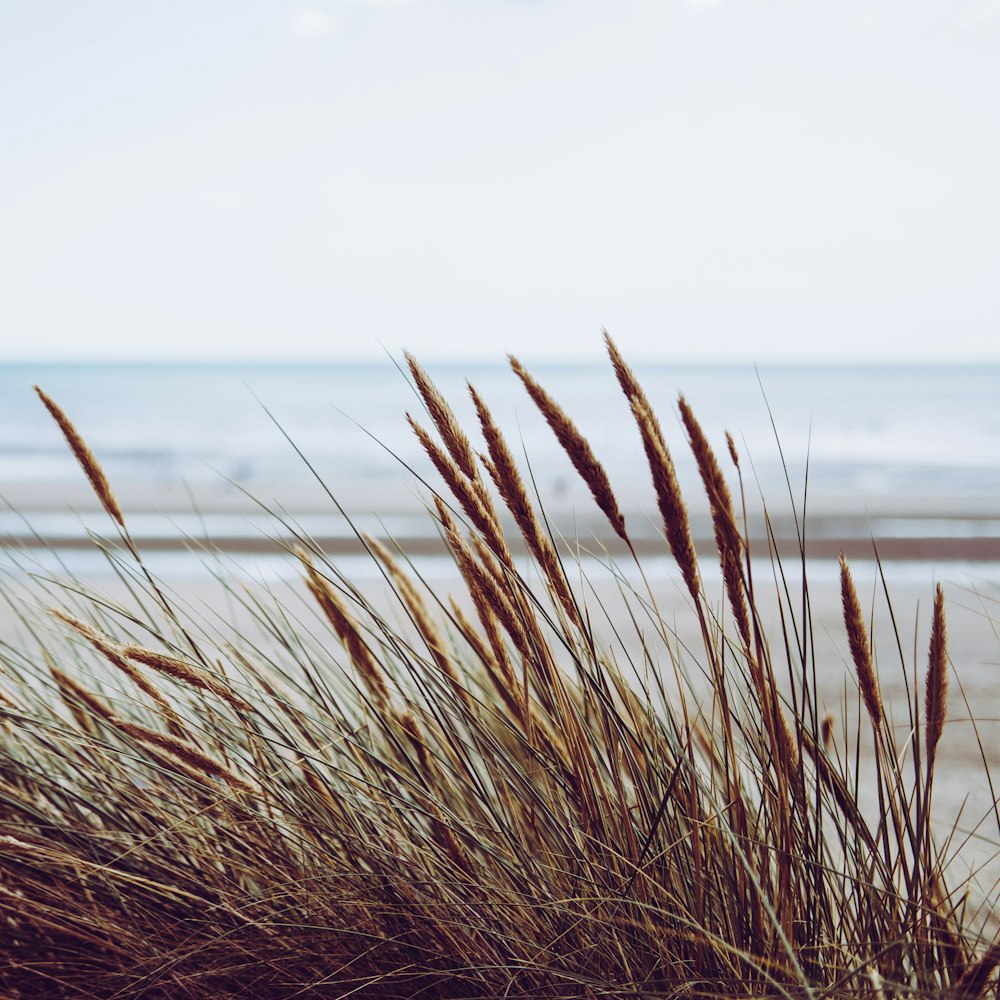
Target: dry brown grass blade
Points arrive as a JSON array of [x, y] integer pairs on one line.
[[669, 499], [857, 639], [85, 457], [455, 439], [507, 478], [577, 448], [347, 632], [471, 494], [185, 672], [728, 540], [110, 651], [936, 683]]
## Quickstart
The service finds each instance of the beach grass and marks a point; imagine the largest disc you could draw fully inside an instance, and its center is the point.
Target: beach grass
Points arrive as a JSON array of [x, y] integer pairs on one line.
[[512, 790]]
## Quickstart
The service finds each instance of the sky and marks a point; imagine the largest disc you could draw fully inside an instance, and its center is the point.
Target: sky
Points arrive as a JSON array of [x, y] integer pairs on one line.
[[746, 180]]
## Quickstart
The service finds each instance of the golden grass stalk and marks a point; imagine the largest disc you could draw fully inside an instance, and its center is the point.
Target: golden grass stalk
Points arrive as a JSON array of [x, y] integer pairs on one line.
[[185, 672], [728, 541], [85, 457], [436, 643], [470, 493], [936, 682], [507, 478], [577, 448], [348, 633], [109, 650], [669, 499], [857, 640], [455, 439], [185, 752]]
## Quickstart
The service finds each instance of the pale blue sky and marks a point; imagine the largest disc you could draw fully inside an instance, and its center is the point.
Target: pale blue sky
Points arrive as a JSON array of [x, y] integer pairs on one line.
[[748, 179]]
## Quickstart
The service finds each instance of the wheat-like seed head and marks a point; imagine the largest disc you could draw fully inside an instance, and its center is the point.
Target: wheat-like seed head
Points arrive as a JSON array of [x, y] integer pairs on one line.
[[733, 453], [728, 541], [471, 494], [183, 751], [936, 683], [67, 685], [626, 377], [183, 671], [857, 639], [504, 472], [826, 730], [441, 413], [348, 633], [85, 457], [109, 650], [673, 510], [577, 448]]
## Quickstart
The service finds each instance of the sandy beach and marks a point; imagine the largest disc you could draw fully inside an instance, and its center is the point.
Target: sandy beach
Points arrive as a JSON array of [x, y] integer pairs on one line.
[[249, 549]]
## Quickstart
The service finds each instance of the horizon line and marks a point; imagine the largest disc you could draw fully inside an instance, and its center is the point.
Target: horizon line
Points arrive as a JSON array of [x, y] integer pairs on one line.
[[452, 361]]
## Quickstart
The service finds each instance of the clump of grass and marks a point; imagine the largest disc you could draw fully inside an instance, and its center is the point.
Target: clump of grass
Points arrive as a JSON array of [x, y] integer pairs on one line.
[[486, 800]]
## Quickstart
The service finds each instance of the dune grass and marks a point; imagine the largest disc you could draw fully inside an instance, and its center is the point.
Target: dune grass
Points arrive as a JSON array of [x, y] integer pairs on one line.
[[483, 795]]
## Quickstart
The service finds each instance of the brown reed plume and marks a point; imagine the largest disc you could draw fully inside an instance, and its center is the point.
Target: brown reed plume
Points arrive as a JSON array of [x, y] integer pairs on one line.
[[857, 640], [441, 413], [504, 472], [186, 753], [348, 633], [106, 647], [183, 671], [471, 494], [85, 457], [577, 448], [669, 498], [728, 542], [936, 681]]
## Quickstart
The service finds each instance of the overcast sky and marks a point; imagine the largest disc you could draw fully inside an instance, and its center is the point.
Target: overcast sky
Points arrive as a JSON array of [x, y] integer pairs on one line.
[[748, 179]]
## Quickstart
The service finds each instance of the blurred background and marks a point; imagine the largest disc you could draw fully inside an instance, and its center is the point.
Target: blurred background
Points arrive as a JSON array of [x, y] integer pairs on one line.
[[213, 207]]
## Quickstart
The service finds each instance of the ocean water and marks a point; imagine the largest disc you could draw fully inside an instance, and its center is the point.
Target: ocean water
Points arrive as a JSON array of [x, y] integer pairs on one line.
[[910, 451]]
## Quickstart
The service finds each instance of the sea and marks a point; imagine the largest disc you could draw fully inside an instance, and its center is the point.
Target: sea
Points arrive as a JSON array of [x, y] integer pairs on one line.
[[899, 454]]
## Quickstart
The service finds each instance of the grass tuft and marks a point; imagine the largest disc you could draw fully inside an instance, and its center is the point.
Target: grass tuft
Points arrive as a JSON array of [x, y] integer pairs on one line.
[[480, 794]]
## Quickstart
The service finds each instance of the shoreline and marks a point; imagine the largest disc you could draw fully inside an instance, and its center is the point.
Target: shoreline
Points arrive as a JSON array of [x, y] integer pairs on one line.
[[983, 550]]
